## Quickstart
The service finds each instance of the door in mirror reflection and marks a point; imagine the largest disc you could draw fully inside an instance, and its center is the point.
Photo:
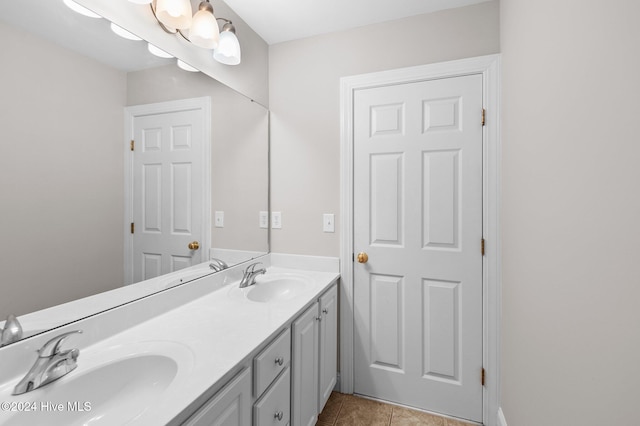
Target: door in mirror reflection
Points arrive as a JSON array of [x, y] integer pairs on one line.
[[169, 164]]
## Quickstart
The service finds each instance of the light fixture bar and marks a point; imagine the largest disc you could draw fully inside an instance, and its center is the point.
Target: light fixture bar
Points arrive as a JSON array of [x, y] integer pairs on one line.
[[172, 17]]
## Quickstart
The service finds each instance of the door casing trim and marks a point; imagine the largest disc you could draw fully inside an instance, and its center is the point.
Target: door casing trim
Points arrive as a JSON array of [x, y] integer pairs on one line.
[[130, 113], [489, 67]]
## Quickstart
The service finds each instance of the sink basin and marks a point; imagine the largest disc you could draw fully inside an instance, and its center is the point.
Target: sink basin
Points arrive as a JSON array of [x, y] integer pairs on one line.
[[277, 288], [112, 393]]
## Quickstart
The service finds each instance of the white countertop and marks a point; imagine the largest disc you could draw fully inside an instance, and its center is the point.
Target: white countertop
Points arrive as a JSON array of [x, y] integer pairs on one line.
[[209, 337]]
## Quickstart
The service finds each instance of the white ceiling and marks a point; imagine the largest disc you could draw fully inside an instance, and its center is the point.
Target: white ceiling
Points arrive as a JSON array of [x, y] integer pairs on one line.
[[283, 20]]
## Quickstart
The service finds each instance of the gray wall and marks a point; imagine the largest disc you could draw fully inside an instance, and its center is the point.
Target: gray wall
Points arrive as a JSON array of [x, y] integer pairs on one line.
[[61, 174], [571, 212], [304, 84]]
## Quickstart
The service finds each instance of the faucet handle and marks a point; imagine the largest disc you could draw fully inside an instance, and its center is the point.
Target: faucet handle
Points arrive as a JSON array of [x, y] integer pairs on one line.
[[52, 347], [217, 264], [252, 267]]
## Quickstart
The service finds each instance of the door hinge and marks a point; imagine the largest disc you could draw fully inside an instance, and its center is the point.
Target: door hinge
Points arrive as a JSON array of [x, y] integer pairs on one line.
[[482, 376], [133, 144], [484, 113], [132, 227], [482, 246]]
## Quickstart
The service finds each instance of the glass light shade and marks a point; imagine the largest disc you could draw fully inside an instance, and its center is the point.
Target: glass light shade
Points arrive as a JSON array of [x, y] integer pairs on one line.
[[174, 14], [141, 1], [204, 30], [80, 9], [124, 33], [187, 67], [158, 52], [228, 51]]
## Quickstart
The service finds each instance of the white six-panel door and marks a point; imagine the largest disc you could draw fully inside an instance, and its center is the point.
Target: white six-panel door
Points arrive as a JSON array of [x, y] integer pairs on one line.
[[418, 216], [168, 202]]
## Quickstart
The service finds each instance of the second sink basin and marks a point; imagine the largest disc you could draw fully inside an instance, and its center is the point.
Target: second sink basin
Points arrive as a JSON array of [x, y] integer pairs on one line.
[[277, 288]]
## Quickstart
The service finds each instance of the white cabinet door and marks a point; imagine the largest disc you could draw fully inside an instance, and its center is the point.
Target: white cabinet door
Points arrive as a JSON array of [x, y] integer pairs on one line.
[[231, 406], [328, 345], [304, 398]]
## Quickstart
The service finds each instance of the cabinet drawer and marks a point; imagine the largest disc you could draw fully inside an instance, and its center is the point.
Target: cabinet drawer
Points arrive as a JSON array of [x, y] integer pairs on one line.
[[271, 361], [274, 409]]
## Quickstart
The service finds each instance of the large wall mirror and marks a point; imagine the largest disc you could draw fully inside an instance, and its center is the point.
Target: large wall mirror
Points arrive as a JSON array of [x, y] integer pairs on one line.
[[64, 160]]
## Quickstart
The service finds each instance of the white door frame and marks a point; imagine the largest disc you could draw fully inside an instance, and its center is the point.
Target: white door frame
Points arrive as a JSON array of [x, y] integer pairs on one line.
[[130, 113], [489, 67]]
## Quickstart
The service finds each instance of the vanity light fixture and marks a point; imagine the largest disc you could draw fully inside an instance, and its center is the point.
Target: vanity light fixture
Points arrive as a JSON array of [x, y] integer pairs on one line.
[[201, 29], [172, 17], [204, 31], [228, 51], [174, 14]]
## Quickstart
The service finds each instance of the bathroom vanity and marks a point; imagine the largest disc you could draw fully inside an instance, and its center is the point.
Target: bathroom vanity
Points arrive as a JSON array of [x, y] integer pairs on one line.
[[288, 381], [204, 353]]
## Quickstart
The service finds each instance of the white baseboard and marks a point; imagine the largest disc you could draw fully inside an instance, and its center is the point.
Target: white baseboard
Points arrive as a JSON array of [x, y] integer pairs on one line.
[[501, 420]]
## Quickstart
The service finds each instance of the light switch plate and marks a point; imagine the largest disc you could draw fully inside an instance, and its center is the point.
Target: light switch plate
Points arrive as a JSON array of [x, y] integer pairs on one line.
[[264, 219], [328, 222], [218, 219], [276, 220]]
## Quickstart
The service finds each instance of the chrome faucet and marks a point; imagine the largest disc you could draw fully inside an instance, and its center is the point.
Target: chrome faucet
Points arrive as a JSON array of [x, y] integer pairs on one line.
[[51, 364], [12, 331], [250, 274], [217, 264]]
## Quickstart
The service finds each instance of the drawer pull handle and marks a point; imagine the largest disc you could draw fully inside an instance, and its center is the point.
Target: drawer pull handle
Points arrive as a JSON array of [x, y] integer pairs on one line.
[[318, 318], [325, 311], [279, 415], [279, 360]]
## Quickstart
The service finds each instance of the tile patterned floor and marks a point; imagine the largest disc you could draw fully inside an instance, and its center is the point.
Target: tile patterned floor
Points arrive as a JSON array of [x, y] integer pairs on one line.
[[350, 410]]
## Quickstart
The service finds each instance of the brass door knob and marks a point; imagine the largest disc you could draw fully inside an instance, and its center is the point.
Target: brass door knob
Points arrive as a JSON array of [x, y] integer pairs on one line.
[[363, 257], [194, 245]]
